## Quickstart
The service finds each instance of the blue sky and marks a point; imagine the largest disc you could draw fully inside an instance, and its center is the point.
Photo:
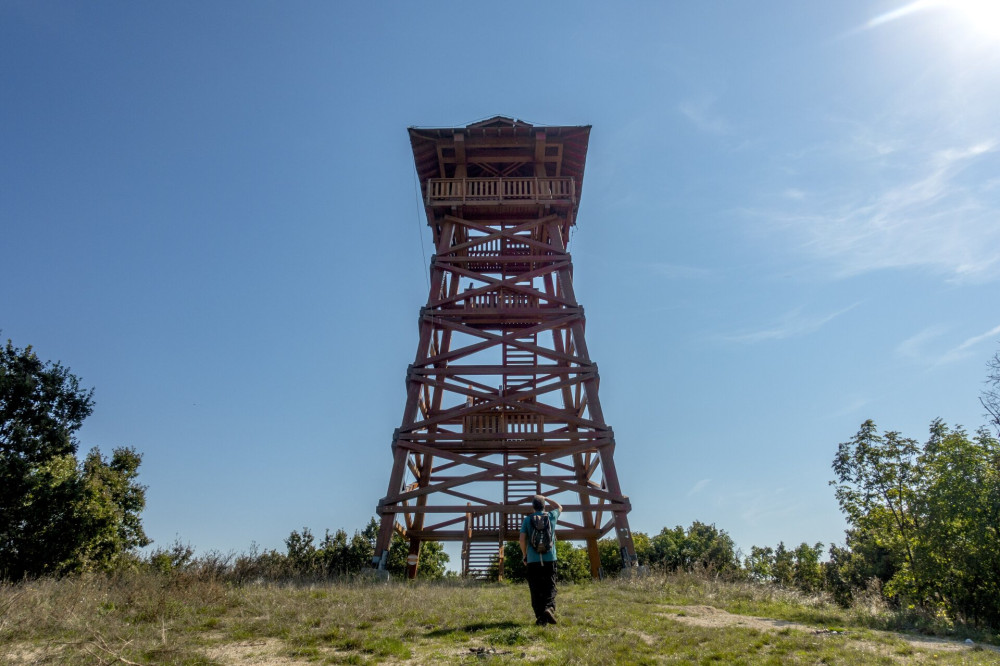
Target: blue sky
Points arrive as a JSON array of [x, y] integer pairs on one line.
[[790, 224]]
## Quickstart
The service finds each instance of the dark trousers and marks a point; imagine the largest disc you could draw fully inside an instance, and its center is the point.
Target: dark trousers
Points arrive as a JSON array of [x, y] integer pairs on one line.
[[542, 583]]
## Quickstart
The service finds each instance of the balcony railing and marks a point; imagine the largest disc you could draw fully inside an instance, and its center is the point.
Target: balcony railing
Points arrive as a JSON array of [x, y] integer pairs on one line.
[[451, 191], [490, 522], [502, 423], [502, 301]]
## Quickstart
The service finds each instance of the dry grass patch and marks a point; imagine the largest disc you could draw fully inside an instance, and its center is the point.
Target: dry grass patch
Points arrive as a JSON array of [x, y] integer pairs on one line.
[[159, 619]]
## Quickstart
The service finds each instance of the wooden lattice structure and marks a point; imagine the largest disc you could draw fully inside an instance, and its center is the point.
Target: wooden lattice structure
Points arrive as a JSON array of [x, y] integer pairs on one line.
[[502, 400]]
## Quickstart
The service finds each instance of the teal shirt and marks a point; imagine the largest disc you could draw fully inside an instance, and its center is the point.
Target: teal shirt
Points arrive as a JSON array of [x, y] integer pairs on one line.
[[533, 555]]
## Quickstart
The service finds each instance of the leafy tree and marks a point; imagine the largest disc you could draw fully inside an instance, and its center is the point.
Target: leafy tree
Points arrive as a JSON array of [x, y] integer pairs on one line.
[[759, 565], [301, 553], [807, 574], [667, 548], [783, 567], [337, 555], [859, 564], [110, 506], [701, 546], [179, 556], [960, 507], [877, 486], [710, 548], [572, 563], [611, 557], [58, 515], [432, 562], [990, 397], [513, 565], [341, 555], [924, 520], [799, 568]]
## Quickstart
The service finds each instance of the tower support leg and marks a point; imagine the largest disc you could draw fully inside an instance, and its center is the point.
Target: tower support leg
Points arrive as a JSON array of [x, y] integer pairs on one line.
[[595, 558], [380, 557], [413, 559], [625, 544]]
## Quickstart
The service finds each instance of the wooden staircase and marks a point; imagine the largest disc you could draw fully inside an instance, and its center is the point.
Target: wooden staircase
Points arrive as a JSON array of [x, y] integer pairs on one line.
[[480, 559], [515, 356], [482, 547]]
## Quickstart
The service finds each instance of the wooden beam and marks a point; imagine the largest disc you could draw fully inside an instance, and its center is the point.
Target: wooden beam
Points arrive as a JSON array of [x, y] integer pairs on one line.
[[622, 506]]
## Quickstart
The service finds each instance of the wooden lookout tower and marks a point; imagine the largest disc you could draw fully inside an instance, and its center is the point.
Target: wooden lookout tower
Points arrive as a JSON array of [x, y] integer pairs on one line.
[[502, 400]]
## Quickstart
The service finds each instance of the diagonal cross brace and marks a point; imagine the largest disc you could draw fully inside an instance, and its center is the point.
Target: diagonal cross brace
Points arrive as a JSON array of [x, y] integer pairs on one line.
[[492, 470]]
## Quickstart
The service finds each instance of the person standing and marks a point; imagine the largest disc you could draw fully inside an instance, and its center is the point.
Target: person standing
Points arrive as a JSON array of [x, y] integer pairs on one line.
[[541, 567]]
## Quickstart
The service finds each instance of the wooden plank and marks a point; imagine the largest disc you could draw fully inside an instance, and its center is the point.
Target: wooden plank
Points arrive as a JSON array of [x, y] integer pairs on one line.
[[492, 470], [511, 339], [548, 260], [485, 475], [465, 370], [472, 437], [493, 284], [520, 394], [459, 535], [621, 506], [511, 233]]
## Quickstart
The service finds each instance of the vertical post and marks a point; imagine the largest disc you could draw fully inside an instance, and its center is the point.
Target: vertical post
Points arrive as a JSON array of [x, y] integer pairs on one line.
[[413, 559], [594, 553]]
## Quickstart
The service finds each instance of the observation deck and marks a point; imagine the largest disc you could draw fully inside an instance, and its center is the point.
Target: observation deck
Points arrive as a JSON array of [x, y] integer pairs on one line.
[[500, 191]]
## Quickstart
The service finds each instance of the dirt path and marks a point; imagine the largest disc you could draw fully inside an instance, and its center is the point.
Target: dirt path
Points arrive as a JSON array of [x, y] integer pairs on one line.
[[709, 616]]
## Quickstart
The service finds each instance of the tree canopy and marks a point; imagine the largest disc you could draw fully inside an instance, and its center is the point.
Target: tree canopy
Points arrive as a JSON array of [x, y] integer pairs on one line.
[[925, 519], [58, 514], [338, 555], [990, 397]]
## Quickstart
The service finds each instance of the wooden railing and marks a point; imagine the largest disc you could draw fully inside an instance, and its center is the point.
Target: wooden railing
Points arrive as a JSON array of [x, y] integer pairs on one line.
[[496, 248], [502, 423], [492, 190], [490, 522], [504, 300], [484, 522]]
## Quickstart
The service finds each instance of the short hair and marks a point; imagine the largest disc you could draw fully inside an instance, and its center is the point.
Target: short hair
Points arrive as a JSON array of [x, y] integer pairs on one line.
[[538, 502]]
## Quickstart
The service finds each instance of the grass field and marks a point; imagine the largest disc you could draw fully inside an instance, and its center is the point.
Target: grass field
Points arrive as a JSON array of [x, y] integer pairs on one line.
[[683, 619]]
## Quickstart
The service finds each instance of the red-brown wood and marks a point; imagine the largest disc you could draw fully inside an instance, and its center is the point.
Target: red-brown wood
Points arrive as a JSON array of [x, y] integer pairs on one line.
[[502, 397]]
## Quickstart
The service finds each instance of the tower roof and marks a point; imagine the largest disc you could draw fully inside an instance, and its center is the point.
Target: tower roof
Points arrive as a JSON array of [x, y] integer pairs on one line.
[[499, 121], [566, 146]]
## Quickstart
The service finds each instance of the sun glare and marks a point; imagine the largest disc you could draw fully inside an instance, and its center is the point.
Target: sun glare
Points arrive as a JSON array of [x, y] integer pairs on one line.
[[983, 15]]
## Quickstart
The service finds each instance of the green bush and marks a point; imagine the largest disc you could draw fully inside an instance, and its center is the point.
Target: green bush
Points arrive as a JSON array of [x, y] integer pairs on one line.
[[59, 515]]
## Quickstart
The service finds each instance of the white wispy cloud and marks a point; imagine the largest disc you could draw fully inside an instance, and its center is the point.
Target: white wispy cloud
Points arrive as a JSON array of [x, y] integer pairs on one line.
[[698, 487], [914, 348], [964, 350], [704, 116], [852, 405], [920, 346], [790, 325], [976, 339], [940, 215]]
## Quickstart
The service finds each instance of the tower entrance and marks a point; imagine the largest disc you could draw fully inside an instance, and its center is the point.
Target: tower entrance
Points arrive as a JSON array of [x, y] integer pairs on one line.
[[502, 398]]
